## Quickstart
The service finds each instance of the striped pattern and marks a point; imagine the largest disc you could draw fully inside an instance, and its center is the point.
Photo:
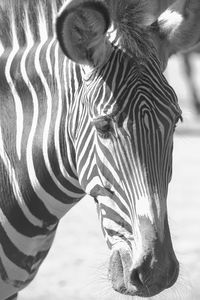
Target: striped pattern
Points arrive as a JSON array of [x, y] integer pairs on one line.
[[111, 130], [38, 179], [134, 112]]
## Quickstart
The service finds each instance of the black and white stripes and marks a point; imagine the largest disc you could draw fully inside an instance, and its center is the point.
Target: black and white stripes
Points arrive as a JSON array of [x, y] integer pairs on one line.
[[132, 112], [66, 131], [38, 179]]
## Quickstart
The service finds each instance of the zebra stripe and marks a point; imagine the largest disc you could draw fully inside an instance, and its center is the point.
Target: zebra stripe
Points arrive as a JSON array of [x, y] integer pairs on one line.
[[34, 87], [12, 178], [123, 153], [18, 104], [53, 147]]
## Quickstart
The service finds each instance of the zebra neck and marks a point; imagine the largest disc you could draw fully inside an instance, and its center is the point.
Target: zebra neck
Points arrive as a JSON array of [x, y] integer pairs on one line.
[[22, 18], [37, 89]]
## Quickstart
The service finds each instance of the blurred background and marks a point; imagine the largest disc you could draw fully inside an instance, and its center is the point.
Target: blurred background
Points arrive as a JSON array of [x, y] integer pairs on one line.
[[75, 268]]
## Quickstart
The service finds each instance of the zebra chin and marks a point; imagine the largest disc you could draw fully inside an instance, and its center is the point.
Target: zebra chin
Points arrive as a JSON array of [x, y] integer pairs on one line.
[[146, 269]]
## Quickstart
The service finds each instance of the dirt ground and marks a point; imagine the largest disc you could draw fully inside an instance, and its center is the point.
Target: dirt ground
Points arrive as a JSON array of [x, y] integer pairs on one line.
[[75, 268]]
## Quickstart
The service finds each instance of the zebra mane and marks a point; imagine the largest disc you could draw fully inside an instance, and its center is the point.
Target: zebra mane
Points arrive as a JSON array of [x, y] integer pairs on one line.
[[14, 12], [131, 18]]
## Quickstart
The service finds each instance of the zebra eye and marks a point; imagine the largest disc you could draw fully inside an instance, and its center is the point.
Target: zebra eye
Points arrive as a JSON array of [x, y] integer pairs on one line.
[[103, 126]]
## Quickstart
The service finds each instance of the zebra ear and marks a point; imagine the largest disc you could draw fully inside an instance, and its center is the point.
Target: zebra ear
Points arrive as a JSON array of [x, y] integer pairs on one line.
[[81, 30]]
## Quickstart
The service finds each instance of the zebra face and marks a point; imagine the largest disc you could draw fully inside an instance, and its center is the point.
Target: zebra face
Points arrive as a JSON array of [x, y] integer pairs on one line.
[[123, 146], [129, 170]]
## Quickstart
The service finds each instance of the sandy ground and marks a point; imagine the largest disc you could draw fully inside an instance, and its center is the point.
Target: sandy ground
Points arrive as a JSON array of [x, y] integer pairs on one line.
[[75, 268]]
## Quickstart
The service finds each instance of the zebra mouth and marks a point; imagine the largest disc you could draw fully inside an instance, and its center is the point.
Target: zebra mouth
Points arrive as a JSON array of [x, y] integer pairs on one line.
[[119, 273], [144, 276], [120, 276]]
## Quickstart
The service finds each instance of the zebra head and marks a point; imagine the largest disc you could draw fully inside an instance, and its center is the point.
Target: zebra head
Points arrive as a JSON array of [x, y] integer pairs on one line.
[[125, 114]]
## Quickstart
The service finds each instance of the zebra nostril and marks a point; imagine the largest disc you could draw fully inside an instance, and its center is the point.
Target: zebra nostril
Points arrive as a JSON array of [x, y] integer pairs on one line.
[[136, 278]]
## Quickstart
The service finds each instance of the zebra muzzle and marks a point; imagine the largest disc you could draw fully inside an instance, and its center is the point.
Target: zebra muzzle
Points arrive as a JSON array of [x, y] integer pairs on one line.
[[145, 275]]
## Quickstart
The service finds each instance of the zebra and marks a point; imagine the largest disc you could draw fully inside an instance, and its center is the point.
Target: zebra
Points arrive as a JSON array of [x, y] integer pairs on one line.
[[82, 113]]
